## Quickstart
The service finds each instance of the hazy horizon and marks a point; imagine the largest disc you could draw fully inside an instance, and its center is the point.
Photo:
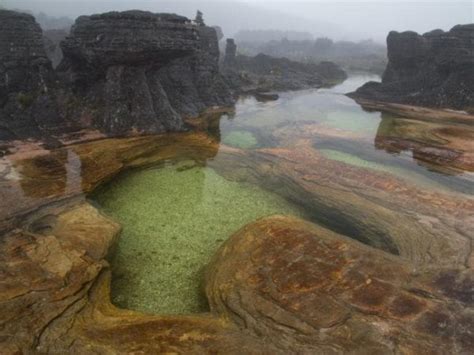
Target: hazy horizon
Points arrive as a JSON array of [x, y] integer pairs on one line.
[[347, 20]]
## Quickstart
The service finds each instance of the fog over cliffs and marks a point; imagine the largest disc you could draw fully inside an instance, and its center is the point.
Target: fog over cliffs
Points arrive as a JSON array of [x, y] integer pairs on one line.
[[347, 20]]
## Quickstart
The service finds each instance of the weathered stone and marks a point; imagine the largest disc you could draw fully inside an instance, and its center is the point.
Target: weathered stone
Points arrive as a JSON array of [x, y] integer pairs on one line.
[[151, 77], [26, 78], [54, 297], [280, 285], [434, 69], [124, 73], [230, 52], [309, 290]]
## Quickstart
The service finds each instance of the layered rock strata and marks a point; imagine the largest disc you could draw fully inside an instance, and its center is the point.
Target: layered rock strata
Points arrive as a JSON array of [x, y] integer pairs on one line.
[[280, 285], [122, 73], [146, 79], [435, 69], [26, 78]]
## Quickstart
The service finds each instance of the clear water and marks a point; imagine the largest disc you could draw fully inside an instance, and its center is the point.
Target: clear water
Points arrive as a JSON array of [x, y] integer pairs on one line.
[[176, 216]]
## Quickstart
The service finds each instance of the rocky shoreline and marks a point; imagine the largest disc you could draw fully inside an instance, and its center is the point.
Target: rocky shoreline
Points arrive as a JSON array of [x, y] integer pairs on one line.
[[385, 266], [325, 289], [262, 73], [435, 69]]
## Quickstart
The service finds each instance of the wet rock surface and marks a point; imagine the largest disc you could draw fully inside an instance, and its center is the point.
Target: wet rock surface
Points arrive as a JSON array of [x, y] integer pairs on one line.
[[279, 285], [309, 290], [434, 69]]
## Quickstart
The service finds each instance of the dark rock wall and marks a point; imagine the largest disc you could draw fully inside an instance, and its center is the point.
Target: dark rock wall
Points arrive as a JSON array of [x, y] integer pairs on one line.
[[230, 52], [194, 83], [434, 69], [121, 72], [26, 77], [146, 79]]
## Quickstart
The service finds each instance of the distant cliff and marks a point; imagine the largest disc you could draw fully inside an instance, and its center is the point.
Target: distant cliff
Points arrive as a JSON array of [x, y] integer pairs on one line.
[[434, 69], [121, 72], [266, 73]]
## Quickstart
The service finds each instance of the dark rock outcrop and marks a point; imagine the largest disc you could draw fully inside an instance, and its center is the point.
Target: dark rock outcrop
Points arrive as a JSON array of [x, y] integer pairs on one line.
[[435, 69], [230, 53], [265, 73], [146, 79], [26, 78], [121, 72]]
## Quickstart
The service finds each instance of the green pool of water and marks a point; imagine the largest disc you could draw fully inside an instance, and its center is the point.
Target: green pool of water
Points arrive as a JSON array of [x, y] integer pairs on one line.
[[240, 139], [174, 218]]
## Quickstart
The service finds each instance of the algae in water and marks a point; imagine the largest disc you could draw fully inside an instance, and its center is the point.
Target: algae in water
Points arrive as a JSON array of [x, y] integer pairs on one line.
[[240, 139], [173, 222]]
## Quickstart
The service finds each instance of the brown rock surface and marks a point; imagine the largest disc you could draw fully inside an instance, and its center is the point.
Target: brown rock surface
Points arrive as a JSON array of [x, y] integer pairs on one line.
[[308, 290], [54, 297], [365, 205], [280, 285], [39, 177]]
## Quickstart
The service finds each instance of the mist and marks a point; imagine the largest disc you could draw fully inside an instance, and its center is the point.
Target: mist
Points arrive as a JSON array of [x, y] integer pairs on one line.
[[348, 20]]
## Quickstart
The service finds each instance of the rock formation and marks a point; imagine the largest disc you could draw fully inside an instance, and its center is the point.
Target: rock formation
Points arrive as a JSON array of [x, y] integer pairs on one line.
[[310, 291], [230, 53], [434, 69], [279, 285], [265, 73], [150, 77], [111, 78], [26, 78]]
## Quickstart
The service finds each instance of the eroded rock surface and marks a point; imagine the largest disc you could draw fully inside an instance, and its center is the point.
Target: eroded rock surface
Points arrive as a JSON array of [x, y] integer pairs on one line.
[[435, 69], [308, 290], [280, 285], [151, 77], [26, 78], [124, 73]]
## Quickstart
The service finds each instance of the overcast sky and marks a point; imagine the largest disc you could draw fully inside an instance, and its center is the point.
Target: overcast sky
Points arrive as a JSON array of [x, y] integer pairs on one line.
[[349, 19]]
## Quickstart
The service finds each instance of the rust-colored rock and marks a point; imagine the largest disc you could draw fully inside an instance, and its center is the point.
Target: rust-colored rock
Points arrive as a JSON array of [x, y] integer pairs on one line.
[[280, 285], [309, 290]]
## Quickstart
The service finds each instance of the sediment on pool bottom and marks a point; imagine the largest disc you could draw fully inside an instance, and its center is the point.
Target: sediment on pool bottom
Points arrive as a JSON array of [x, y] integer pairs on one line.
[[174, 218]]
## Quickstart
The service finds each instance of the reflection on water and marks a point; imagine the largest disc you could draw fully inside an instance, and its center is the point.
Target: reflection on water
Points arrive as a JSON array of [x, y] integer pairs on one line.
[[313, 153], [420, 152]]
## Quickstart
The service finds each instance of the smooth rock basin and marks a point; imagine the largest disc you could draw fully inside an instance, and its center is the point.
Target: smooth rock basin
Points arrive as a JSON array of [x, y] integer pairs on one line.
[[174, 218], [384, 266]]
